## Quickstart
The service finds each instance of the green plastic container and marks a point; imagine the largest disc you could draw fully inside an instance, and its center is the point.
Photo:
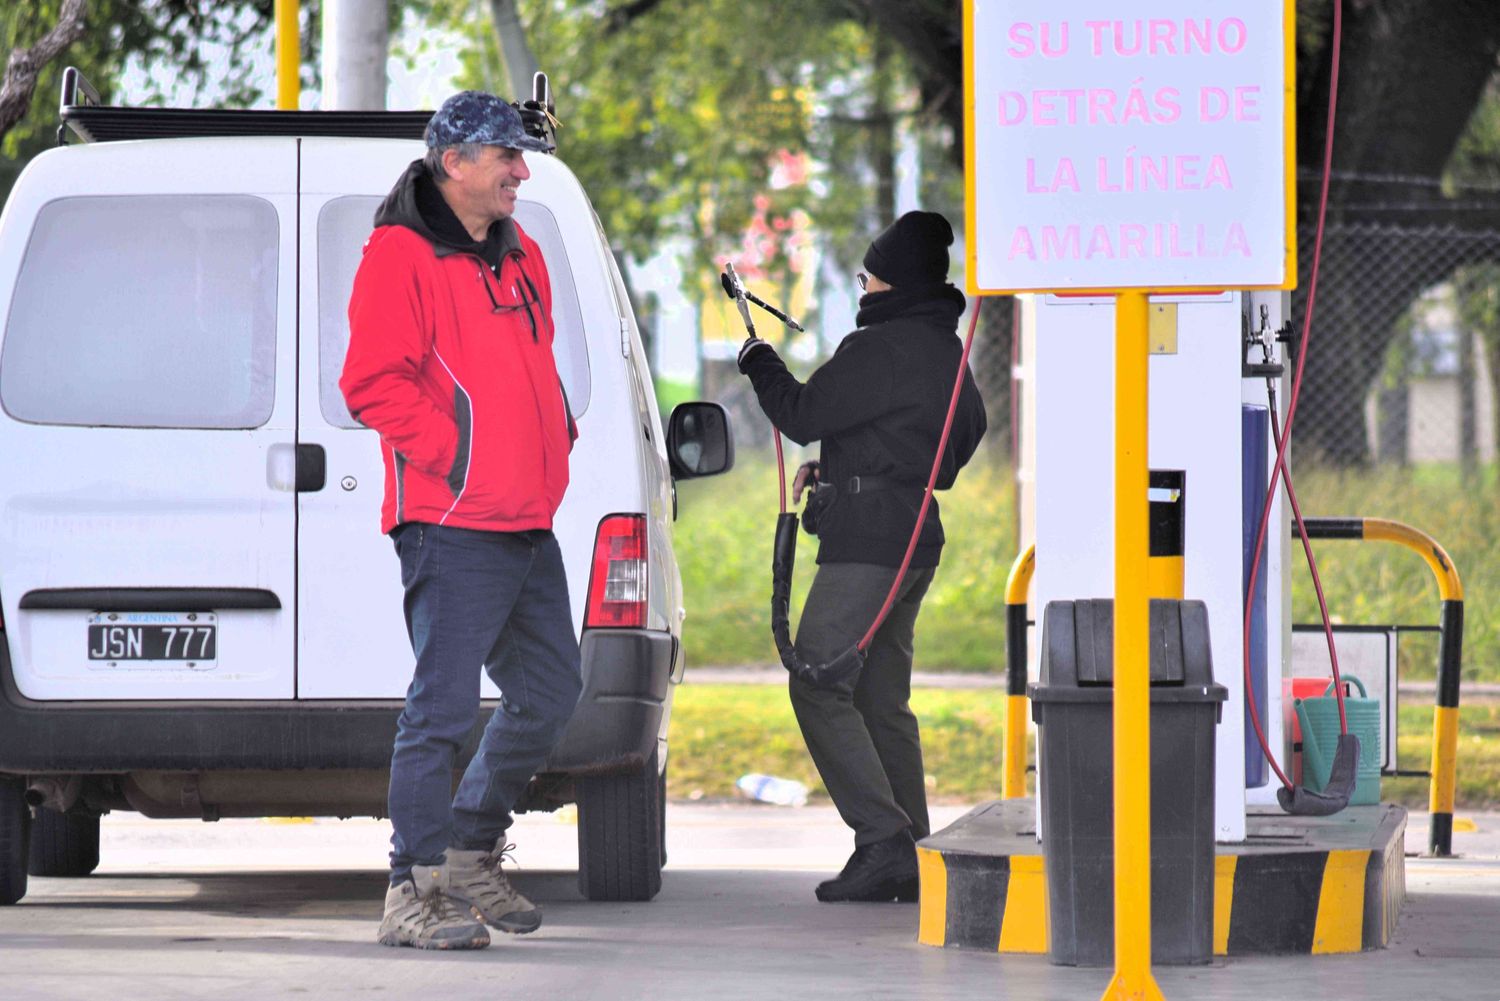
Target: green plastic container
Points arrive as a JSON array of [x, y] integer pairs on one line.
[[1319, 719]]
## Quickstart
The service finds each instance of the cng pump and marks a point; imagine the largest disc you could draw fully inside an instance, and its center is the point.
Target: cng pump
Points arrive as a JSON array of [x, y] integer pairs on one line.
[[1210, 449]]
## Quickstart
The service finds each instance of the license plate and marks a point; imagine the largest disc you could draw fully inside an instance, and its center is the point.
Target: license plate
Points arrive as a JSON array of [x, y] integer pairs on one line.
[[168, 639]]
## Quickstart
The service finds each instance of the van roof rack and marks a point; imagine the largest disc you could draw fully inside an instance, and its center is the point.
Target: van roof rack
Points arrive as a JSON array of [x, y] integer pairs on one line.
[[93, 121]]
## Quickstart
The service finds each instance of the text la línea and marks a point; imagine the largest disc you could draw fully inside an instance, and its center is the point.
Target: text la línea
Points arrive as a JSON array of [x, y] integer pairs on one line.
[[1132, 172]]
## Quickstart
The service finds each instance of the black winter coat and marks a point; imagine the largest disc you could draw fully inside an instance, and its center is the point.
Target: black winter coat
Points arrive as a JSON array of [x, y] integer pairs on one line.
[[878, 406]]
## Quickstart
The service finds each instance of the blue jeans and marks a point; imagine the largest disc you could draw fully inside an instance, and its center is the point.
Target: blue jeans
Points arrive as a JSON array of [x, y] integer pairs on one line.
[[492, 599]]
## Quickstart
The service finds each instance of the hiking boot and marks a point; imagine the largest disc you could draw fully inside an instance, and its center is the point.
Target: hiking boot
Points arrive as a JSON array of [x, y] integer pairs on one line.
[[875, 873], [419, 912], [479, 882]]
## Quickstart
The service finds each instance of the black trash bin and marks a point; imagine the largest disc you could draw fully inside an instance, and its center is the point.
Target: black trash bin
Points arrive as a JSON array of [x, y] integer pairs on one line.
[[1073, 707]]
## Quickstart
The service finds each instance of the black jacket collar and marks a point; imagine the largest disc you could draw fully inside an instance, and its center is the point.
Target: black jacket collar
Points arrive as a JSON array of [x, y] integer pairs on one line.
[[943, 303], [416, 203]]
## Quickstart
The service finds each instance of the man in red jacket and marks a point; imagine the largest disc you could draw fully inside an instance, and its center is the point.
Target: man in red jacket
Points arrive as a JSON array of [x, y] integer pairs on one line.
[[450, 360]]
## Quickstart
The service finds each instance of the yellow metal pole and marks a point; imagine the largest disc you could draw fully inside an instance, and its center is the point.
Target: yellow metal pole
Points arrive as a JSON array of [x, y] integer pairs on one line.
[[1443, 790], [288, 56], [1132, 697], [1015, 668]]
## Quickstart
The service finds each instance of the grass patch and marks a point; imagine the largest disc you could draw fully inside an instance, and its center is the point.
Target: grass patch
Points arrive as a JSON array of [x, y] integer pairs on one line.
[[1381, 583], [671, 392], [720, 732], [723, 542], [726, 526], [724, 548], [1478, 756]]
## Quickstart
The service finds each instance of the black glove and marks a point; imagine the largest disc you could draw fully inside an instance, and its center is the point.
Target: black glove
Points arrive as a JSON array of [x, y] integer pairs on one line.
[[809, 475], [752, 346]]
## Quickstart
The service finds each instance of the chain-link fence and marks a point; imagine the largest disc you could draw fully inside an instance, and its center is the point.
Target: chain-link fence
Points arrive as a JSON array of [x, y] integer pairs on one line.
[[1404, 351], [1403, 363]]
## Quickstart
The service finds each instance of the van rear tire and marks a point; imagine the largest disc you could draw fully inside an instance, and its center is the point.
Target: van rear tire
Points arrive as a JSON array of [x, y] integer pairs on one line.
[[15, 836], [620, 835], [64, 844]]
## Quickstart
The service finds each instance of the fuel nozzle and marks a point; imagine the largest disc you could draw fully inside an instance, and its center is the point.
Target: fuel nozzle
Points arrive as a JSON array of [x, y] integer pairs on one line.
[[735, 289]]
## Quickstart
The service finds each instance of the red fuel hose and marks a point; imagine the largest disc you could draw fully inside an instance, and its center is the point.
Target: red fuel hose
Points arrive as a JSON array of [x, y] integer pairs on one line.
[[783, 558], [937, 464], [1285, 436]]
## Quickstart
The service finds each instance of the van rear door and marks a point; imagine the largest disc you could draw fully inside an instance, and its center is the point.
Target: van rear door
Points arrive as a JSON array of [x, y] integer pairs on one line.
[[147, 376], [352, 641]]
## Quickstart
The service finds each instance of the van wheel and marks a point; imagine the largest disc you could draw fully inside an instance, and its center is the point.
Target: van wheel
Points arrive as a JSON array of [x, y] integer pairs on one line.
[[64, 844], [661, 815], [15, 830], [620, 835]]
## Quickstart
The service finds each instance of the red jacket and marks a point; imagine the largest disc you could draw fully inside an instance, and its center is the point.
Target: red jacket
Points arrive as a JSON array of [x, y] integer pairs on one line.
[[454, 368]]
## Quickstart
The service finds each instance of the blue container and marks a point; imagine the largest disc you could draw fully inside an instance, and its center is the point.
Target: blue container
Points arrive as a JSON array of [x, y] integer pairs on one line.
[[1255, 435]]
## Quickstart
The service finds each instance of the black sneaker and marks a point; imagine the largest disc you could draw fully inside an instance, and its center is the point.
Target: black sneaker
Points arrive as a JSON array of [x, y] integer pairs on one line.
[[876, 872]]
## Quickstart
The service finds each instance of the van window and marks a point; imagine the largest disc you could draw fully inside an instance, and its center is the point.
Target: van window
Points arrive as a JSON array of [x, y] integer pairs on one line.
[[145, 311], [344, 224]]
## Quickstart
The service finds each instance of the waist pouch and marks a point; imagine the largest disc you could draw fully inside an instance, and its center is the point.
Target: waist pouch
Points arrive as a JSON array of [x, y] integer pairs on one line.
[[818, 503], [815, 511]]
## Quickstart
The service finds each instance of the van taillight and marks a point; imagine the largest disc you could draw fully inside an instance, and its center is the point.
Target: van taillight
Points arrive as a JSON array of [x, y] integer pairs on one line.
[[617, 579]]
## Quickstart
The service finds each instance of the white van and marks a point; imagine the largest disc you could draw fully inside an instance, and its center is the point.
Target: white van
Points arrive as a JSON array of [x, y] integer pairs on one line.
[[198, 614]]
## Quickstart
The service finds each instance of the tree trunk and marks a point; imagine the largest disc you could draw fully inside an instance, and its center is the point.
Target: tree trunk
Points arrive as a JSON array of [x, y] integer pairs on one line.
[[356, 44], [1491, 344], [19, 83], [883, 133], [515, 52], [1468, 430], [1393, 424]]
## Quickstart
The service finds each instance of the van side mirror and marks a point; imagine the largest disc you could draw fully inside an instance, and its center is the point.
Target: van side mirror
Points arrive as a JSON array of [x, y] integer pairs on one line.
[[699, 442]]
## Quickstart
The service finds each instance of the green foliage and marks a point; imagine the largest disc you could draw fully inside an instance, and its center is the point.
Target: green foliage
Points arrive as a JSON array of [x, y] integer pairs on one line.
[[678, 116], [723, 542], [171, 37], [1477, 158]]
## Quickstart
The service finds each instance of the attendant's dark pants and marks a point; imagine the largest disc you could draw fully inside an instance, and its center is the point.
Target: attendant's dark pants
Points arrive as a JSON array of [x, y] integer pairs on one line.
[[491, 601], [863, 737]]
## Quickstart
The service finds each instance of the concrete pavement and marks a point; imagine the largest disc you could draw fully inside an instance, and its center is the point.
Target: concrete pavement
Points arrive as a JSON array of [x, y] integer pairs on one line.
[[265, 910]]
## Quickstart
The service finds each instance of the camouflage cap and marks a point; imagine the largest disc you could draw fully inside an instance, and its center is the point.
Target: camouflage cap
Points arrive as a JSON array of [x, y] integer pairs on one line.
[[472, 116]]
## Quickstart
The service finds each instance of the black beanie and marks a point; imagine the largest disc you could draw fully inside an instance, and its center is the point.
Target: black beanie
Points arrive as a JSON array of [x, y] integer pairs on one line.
[[913, 250]]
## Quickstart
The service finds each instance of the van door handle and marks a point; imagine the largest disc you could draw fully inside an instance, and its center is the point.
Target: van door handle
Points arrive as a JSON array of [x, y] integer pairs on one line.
[[312, 468]]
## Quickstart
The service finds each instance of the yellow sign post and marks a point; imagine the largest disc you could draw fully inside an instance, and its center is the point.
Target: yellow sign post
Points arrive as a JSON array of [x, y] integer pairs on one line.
[[288, 56], [1125, 148], [1132, 705]]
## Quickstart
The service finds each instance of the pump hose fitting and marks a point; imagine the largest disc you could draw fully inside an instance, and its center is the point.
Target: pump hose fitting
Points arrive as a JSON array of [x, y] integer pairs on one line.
[[783, 561]]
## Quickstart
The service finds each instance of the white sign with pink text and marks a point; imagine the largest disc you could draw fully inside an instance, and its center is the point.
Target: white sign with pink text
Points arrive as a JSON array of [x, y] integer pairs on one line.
[[1129, 144]]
